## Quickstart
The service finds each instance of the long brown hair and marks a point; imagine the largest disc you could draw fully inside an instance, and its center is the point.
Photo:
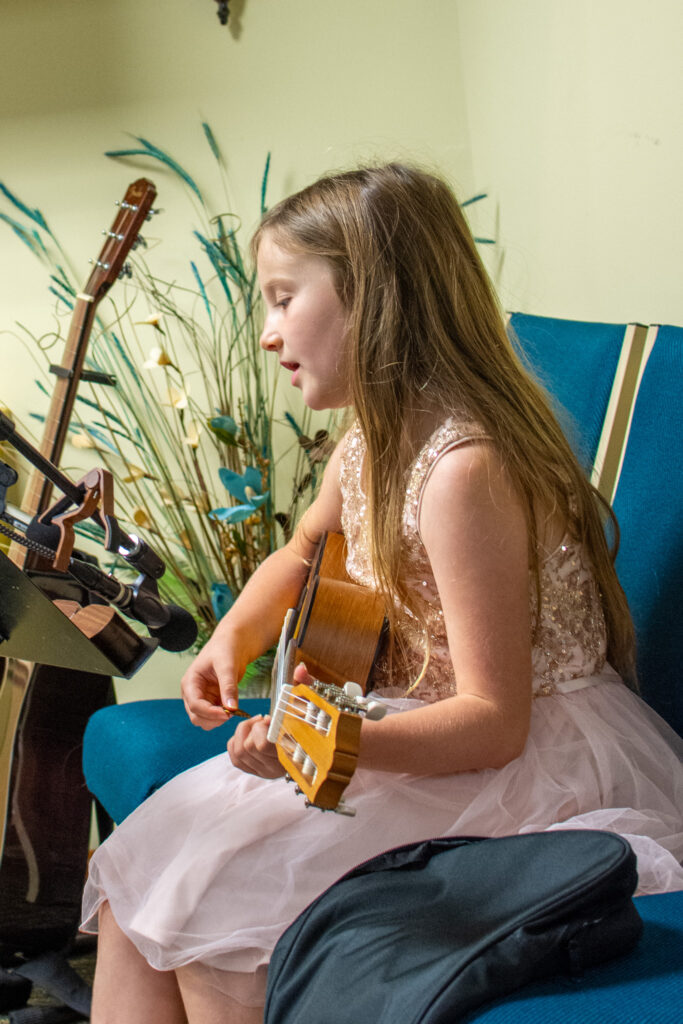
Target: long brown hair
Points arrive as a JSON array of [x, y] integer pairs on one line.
[[426, 331]]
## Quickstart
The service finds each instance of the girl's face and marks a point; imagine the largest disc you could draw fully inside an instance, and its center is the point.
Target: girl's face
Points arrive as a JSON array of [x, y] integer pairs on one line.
[[305, 323]]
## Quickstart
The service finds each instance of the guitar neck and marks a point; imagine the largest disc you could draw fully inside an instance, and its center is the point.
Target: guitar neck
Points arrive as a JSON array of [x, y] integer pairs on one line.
[[39, 490], [135, 208]]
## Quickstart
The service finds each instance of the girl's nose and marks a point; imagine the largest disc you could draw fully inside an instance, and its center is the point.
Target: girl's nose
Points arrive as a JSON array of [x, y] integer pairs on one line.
[[270, 339]]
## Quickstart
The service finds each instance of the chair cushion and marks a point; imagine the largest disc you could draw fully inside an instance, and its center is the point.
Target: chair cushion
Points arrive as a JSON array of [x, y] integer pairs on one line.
[[645, 985], [129, 750]]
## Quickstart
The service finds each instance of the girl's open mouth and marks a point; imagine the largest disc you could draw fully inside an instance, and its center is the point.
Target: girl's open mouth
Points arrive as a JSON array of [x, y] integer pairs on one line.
[[293, 368]]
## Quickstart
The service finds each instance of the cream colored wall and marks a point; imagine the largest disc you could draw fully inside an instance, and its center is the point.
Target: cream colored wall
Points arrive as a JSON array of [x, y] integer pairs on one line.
[[574, 113], [319, 83], [568, 114]]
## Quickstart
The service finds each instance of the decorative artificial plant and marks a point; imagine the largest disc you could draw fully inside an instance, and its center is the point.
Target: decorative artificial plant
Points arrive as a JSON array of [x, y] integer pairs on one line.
[[205, 461]]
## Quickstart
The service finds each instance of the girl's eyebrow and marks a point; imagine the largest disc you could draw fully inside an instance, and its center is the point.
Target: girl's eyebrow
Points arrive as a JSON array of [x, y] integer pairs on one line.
[[272, 284], [280, 282]]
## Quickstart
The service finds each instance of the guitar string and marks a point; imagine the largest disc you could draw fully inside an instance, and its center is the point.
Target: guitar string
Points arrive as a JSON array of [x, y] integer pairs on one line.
[[296, 698], [303, 704], [300, 706], [298, 746]]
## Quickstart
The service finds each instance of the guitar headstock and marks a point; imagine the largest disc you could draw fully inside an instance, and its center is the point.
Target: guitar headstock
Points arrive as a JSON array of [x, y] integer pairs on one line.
[[134, 210], [316, 729]]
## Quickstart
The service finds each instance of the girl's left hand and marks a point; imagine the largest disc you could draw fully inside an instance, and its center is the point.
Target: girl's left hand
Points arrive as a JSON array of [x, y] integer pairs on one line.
[[252, 752]]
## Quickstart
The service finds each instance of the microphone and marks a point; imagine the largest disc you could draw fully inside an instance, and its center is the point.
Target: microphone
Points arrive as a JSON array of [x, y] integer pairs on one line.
[[172, 626], [138, 554], [143, 557]]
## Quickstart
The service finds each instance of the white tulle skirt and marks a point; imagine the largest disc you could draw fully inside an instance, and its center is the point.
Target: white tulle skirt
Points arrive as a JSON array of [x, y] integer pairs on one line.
[[213, 867]]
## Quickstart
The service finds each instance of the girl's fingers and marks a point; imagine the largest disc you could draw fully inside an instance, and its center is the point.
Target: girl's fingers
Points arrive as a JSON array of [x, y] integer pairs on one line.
[[302, 675], [251, 751]]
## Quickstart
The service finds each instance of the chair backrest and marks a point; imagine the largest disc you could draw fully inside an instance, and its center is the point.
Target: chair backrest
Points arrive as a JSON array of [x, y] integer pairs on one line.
[[576, 362], [620, 387], [648, 502]]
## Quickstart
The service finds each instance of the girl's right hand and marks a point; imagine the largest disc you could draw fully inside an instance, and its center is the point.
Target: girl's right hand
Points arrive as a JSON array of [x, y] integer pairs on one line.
[[210, 684]]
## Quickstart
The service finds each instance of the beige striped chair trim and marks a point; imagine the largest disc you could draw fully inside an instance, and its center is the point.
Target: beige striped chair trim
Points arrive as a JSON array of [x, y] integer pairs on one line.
[[637, 345], [609, 458]]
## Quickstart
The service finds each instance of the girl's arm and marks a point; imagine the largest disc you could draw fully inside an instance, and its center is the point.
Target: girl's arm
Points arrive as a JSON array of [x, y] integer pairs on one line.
[[254, 622], [475, 534], [474, 530]]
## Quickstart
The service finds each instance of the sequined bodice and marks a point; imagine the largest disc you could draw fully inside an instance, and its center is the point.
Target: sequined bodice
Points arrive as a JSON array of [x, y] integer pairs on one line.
[[568, 631]]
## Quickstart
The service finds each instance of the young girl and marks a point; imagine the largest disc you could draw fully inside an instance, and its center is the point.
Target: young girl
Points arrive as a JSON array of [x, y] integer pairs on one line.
[[463, 505]]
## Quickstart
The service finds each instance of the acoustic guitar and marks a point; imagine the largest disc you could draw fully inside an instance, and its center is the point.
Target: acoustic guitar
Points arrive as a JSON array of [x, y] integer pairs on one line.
[[43, 709], [338, 630]]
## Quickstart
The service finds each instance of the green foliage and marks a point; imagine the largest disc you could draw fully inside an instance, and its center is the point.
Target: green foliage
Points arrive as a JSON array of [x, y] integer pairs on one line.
[[202, 459]]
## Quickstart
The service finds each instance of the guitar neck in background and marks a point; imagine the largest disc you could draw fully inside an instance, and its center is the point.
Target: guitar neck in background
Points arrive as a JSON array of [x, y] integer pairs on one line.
[[135, 208], [39, 490]]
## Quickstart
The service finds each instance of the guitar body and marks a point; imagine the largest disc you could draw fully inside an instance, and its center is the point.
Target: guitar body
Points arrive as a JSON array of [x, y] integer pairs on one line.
[[45, 807], [340, 625], [45, 849]]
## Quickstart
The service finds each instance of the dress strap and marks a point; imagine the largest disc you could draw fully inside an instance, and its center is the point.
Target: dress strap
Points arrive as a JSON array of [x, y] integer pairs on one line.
[[446, 438]]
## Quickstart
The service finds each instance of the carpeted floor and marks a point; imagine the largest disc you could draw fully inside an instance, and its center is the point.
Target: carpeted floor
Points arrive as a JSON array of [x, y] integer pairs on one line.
[[83, 962]]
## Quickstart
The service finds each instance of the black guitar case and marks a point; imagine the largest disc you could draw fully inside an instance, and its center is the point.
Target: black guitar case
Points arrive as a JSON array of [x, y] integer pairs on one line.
[[427, 932]]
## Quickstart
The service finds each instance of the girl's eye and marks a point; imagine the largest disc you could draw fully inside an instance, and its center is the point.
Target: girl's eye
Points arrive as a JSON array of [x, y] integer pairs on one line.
[[283, 303]]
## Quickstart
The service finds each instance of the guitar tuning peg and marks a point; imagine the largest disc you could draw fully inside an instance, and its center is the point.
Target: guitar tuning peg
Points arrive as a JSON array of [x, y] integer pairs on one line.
[[342, 808], [125, 271], [139, 241], [153, 213], [353, 690], [375, 711]]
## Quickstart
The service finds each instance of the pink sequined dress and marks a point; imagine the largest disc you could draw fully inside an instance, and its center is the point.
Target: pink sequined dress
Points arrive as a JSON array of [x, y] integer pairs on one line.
[[212, 868]]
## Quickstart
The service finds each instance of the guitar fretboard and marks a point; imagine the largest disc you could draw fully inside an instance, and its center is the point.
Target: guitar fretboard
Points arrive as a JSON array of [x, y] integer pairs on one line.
[[39, 490], [133, 211]]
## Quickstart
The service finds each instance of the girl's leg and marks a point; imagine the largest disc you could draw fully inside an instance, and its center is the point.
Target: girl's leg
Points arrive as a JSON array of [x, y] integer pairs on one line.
[[126, 989], [206, 1004]]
